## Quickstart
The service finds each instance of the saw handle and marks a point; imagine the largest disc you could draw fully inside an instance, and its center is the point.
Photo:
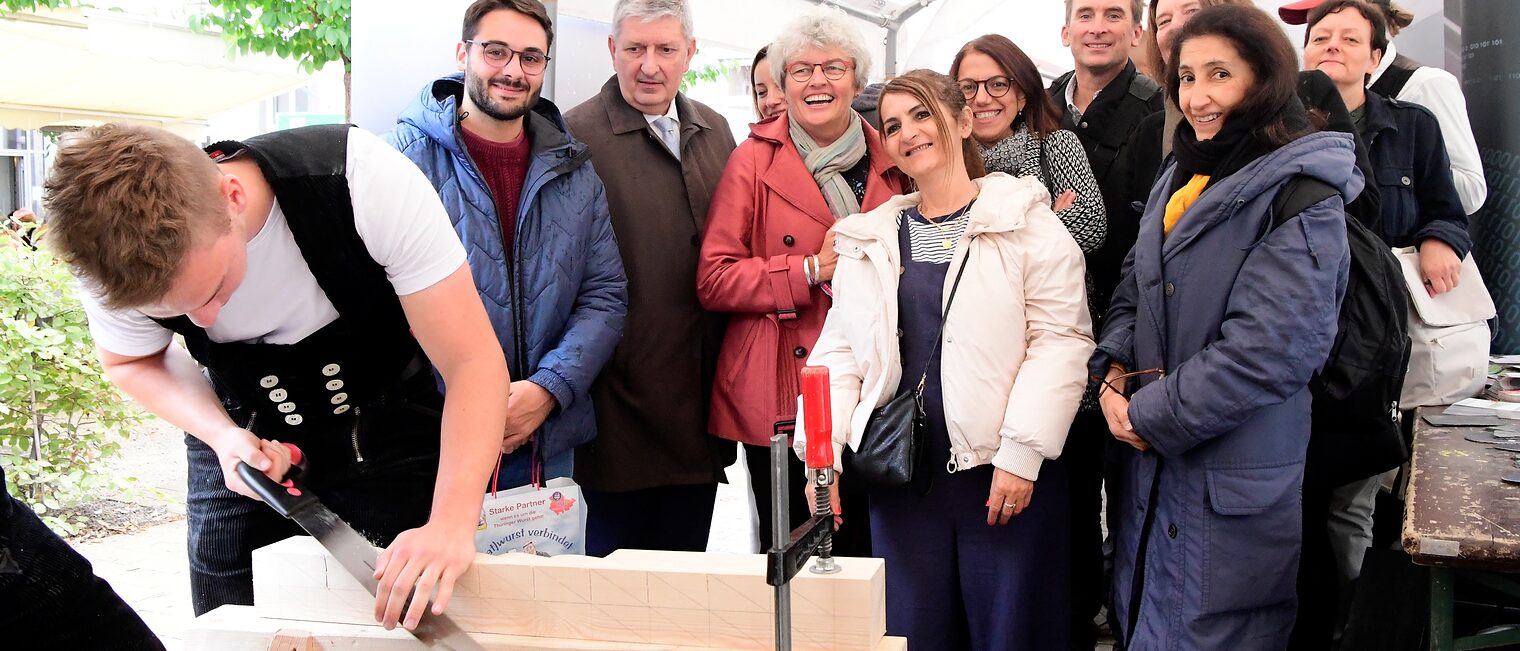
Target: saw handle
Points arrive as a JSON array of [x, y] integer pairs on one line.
[[285, 497], [818, 418]]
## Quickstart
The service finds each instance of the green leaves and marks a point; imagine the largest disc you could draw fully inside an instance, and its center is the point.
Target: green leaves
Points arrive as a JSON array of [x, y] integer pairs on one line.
[[712, 72], [59, 415], [10, 6], [313, 33]]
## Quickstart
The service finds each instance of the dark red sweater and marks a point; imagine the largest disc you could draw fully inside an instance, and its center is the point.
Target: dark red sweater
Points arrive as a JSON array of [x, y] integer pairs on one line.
[[503, 165]]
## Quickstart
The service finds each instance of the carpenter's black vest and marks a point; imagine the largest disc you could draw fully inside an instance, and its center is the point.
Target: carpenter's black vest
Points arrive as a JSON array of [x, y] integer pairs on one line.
[[295, 391]]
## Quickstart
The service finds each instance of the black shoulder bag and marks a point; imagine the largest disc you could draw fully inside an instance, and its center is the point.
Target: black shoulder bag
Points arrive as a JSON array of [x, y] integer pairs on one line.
[[891, 451]]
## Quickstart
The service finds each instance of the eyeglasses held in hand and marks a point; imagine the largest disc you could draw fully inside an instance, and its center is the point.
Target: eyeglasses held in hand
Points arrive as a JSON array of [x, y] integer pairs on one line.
[[996, 87], [1109, 382], [832, 70], [499, 55]]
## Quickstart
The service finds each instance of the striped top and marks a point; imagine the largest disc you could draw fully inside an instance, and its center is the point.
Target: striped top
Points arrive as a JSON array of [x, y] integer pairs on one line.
[[933, 242]]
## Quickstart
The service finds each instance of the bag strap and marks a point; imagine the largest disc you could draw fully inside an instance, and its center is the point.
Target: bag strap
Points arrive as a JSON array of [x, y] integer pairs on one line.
[[1395, 77], [496, 473], [940, 332], [1297, 195], [1050, 183], [535, 472]]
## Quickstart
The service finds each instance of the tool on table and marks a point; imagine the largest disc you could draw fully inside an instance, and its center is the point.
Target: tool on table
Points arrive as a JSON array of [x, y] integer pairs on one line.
[[291, 499], [790, 549], [1487, 437]]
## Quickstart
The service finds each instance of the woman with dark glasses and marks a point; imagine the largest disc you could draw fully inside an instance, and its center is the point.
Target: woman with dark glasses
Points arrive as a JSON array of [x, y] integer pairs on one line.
[[1019, 132]]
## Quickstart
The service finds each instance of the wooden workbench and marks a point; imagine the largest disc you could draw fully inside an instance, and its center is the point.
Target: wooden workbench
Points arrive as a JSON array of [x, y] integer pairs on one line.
[[1461, 520], [1459, 513]]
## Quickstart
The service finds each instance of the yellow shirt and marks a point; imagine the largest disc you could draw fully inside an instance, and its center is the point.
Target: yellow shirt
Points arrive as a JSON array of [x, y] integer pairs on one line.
[[1181, 199]]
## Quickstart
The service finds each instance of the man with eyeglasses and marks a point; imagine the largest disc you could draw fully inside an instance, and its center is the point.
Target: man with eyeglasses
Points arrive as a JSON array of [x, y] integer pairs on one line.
[[652, 473], [533, 217], [1105, 98]]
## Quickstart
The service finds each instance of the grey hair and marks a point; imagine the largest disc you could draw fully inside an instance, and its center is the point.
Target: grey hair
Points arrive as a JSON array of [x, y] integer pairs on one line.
[[647, 10], [821, 27]]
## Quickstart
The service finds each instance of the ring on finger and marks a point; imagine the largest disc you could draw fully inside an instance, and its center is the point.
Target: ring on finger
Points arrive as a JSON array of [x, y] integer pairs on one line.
[[1009, 506]]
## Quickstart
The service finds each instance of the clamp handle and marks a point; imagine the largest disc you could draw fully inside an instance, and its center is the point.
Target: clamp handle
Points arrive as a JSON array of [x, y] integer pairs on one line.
[[818, 417]]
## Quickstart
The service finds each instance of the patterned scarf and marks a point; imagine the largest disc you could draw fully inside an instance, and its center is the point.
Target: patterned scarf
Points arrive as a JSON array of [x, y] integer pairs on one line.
[[827, 164], [1006, 155]]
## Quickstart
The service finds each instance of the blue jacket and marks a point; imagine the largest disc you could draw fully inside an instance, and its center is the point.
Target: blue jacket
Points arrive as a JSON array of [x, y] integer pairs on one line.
[[1408, 156], [558, 309], [1239, 315]]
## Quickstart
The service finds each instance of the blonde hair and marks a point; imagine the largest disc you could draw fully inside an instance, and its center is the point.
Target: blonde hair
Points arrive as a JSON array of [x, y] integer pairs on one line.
[[126, 203]]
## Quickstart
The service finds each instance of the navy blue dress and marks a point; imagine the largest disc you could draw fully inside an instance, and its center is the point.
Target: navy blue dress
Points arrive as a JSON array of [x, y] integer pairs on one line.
[[953, 582]]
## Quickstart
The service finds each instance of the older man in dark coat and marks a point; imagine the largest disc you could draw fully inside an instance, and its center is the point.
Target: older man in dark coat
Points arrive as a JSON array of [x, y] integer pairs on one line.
[[652, 474]]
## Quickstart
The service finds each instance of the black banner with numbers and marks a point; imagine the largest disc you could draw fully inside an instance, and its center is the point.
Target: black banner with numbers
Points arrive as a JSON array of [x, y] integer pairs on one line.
[[1491, 81]]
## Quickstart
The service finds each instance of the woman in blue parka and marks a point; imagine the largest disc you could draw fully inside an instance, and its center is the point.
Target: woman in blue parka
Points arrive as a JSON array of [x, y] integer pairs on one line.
[[1216, 326]]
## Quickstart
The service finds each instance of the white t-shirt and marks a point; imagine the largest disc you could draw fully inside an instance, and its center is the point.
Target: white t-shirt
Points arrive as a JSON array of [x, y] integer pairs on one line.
[[398, 215]]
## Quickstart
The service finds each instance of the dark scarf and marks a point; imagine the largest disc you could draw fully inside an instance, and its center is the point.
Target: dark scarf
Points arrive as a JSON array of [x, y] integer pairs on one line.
[[1236, 145]]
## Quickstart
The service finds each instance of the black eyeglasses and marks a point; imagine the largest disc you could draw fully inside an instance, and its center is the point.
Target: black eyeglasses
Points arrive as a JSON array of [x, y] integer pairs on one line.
[[499, 55], [996, 87], [832, 70]]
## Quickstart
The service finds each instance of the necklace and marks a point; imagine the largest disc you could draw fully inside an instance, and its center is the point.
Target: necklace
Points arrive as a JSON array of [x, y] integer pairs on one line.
[[939, 224]]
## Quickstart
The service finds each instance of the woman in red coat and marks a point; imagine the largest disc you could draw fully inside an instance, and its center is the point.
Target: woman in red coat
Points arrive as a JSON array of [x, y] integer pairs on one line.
[[768, 254]]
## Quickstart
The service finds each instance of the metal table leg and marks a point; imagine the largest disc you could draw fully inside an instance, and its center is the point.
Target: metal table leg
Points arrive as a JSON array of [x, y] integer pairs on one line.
[[1442, 583]]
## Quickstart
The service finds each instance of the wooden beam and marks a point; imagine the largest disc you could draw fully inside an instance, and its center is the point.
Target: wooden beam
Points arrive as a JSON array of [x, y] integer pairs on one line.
[[239, 628], [632, 597]]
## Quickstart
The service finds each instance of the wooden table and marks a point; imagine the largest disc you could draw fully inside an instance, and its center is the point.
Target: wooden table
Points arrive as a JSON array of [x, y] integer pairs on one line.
[[1460, 519]]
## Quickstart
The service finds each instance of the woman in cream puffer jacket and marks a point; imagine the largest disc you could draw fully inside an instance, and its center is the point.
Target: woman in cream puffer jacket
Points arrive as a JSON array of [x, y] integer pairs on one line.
[[975, 562], [1016, 339]]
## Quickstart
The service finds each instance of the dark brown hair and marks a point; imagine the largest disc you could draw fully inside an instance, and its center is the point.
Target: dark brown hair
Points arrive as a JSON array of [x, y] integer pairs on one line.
[[1040, 113], [1379, 38], [940, 94], [530, 8], [126, 203], [1272, 103]]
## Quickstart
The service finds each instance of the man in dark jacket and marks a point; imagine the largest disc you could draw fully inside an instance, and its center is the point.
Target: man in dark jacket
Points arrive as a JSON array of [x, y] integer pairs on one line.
[[533, 217], [652, 474], [1104, 99]]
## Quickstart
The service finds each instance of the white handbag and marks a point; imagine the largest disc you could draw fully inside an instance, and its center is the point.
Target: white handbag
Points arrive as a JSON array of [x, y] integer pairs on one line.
[[1449, 336]]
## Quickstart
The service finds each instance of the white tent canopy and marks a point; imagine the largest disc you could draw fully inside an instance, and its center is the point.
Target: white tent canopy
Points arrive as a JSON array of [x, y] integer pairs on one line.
[[95, 65], [398, 49]]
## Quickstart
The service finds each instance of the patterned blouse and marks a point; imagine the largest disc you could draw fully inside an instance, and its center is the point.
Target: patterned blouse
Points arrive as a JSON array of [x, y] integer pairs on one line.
[[1019, 155]]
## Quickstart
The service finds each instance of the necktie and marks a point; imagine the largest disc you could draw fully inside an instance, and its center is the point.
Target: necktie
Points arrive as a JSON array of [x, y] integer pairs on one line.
[[670, 134]]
